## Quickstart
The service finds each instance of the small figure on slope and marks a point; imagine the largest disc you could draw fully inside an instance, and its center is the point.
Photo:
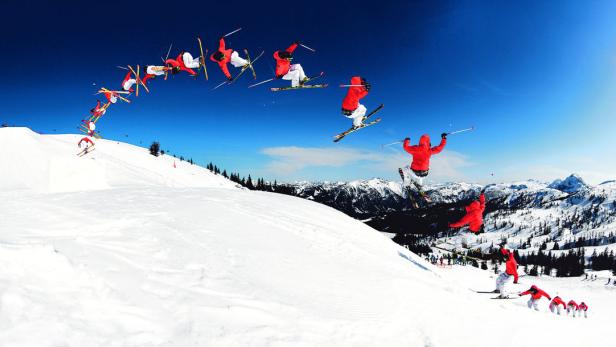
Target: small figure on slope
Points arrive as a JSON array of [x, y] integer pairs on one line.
[[128, 82], [555, 305], [535, 295], [86, 144], [183, 62], [420, 166], [572, 308], [583, 308], [473, 216], [351, 108], [511, 269], [223, 56], [286, 70]]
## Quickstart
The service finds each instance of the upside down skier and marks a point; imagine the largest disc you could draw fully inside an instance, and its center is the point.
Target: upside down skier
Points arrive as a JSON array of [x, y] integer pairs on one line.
[[286, 70], [98, 110], [420, 166], [473, 216], [151, 71], [183, 62], [351, 108], [223, 56], [511, 269], [128, 82]]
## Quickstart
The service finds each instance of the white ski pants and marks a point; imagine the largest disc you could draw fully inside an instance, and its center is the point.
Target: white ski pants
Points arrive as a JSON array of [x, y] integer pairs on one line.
[[532, 303], [585, 316], [129, 84], [571, 310], [358, 115], [501, 281], [237, 61], [555, 307], [155, 70], [410, 177], [189, 61], [295, 75]]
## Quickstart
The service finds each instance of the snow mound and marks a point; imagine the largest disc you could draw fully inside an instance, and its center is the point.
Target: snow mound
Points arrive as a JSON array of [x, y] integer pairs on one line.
[[48, 163]]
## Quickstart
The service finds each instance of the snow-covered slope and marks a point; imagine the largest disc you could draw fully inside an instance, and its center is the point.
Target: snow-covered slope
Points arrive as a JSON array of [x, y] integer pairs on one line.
[[172, 258], [49, 164]]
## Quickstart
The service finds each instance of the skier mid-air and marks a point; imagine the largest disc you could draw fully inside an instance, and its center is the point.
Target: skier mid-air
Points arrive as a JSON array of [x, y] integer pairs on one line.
[[473, 216], [183, 62], [351, 108], [420, 166], [286, 70], [128, 82], [223, 56], [98, 111]]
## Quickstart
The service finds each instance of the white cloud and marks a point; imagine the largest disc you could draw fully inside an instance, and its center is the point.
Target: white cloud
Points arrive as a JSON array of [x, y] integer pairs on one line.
[[288, 162]]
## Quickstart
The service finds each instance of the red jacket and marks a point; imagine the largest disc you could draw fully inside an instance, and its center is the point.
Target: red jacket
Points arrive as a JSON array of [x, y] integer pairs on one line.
[[572, 303], [422, 152], [179, 63], [351, 100], [558, 301], [511, 266], [536, 293], [474, 215], [126, 78], [283, 65], [85, 139], [225, 60], [582, 306], [98, 110]]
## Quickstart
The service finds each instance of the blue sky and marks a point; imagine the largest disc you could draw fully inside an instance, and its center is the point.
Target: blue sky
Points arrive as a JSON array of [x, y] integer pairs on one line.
[[536, 79]]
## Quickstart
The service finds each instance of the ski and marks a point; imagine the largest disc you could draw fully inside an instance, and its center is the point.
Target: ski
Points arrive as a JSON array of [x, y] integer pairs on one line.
[[86, 151], [504, 297], [202, 58], [139, 81], [353, 129], [246, 67], [250, 62], [305, 86], [486, 292]]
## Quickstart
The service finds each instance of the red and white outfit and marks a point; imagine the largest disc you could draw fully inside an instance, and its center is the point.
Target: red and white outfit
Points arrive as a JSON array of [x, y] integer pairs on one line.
[[474, 215], [556, 303], [151, 71], [421, 159], [286, 70], [128, 82], [572, 307], [511, 269], [227, 56], [98, 110], [111, 96], [535, 295], [583, 308], [351, 108], [86, 141], [178, 64]]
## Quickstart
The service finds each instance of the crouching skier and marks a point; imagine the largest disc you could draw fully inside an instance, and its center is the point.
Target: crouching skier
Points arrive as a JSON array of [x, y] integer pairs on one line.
[[351, 108], [583, 308], [286, 70], [572, 307], [535, 295], [555, 305], [511, 269]]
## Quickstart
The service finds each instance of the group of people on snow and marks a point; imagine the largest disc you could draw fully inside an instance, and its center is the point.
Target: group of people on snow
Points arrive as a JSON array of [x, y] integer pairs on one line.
[[511, 271]]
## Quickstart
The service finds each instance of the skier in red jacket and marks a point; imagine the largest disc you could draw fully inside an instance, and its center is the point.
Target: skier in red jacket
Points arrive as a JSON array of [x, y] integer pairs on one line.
[[572, 307], [583, 308], [420, 166], [511, 269], [535, 295], [351, 108], [151, 71], [555, 304], [223, 56], [88, 145], [98, 111], [286, 70], [474, 216], [183, 62], [128, 82]]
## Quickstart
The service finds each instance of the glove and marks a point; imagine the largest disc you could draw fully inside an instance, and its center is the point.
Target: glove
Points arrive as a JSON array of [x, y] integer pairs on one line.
[[443, 135], [515, 282], [367, 86], [407, 139], [297, 42], [519, 294]]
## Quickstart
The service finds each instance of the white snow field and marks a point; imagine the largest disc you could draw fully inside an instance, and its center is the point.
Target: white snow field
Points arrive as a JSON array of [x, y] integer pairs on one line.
[[118, 248]]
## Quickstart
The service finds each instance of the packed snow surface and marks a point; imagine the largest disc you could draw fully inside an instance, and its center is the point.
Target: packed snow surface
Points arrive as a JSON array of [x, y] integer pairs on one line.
[[151, 255]]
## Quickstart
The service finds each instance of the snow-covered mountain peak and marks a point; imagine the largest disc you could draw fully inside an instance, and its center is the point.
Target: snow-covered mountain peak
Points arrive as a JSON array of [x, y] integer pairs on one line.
[[571, 184]]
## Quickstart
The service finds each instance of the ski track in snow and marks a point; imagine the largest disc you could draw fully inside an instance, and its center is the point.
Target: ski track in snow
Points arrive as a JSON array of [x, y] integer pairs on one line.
[[156, 256]]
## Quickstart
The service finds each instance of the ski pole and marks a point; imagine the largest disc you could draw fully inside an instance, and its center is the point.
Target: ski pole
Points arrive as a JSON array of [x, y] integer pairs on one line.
[[256, 84], [351, 85], [391, 144], [220, 85], [233, 32], [461, 131], [308, 48], [168, 51], [122, 67]]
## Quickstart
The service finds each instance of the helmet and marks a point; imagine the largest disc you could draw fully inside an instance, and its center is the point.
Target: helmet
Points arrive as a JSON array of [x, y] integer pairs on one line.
[[218, 56], [285, 55]]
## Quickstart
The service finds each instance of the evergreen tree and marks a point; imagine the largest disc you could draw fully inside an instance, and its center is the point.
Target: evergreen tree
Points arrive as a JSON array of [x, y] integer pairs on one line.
[[155, 148]]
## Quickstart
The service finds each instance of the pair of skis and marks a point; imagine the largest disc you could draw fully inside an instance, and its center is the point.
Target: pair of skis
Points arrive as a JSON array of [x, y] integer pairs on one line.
[[302, 86], [86, 150], [248, 66], [363, 125]]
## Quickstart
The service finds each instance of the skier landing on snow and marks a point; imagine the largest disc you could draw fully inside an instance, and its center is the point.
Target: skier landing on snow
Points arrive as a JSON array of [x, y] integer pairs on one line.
[[535, 295], [351, 108], [555, 305], [86, 144], [223, 56], [286, 70], [511, 269], [420, 167]]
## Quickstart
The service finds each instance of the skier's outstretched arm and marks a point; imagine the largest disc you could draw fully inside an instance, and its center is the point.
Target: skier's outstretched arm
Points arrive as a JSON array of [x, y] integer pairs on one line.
[[407, 146], [292, 48], [439, 148], [462, 222]]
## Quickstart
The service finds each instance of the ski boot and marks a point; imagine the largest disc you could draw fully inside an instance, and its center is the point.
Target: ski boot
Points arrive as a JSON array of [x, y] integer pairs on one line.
[[304, 80]]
